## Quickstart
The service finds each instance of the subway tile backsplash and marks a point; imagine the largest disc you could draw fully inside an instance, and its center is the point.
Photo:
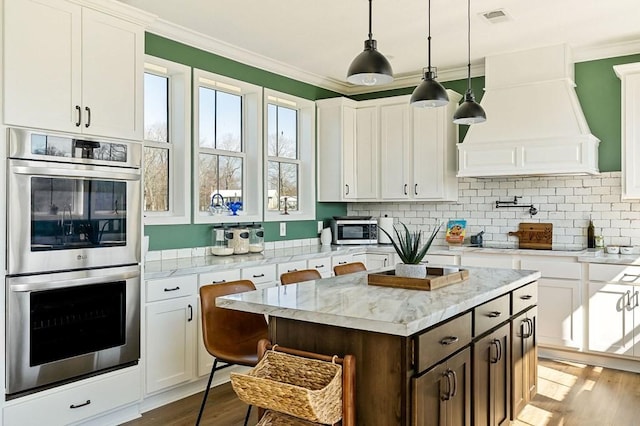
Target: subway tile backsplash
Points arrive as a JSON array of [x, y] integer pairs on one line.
[[565, 201]]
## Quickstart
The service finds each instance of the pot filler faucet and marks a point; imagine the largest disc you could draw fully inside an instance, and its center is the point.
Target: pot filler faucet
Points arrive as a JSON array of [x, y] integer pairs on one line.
[[501, 204]]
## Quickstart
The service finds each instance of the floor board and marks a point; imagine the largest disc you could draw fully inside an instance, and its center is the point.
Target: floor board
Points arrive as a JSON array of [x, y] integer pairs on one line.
[[569, 394]]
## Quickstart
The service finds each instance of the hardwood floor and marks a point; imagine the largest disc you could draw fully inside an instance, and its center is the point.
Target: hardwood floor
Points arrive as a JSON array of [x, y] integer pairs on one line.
[[569, 394]]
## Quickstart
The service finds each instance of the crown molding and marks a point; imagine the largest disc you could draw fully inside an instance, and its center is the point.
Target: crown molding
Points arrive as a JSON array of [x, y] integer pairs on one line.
[[201, 41], [120, 10]]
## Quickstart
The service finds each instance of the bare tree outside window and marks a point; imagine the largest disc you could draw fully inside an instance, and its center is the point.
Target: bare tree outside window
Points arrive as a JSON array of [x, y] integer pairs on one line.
[[283, 164], [157, 144]]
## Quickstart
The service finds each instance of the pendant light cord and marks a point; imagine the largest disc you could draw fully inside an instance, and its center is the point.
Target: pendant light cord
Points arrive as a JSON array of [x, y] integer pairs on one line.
[[429, 39], [469, 45], [370, 13]]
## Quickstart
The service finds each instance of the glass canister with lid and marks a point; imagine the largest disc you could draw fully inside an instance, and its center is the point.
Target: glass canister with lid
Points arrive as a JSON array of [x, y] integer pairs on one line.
[[240, 240], [219, 242], [256, 238]]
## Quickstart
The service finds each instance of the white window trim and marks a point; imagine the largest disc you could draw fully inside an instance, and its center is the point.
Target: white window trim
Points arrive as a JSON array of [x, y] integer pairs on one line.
[[252, 147], [307, 159], [180, 139]]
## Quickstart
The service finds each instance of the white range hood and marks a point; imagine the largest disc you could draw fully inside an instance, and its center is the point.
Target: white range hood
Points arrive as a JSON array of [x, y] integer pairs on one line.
[[535, 125]]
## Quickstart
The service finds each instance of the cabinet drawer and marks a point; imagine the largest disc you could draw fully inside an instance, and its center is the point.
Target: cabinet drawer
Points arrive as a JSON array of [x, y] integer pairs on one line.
[[341, 259], [219, 277], [524, 297], [614, 273], [298, 265], [77, 402], [322, 264], [442, 341], [490, 314], [551, 269], [169, 288], [259, 274]]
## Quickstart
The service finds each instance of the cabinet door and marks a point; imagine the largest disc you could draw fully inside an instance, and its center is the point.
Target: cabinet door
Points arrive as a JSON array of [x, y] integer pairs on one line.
[[492, 378], [112, 76], [442, 396], [560, 307], [170, 342], [428, 153], [378, 260], [524, 360], [349, 167], [395, 151], [611, 326], [367, 165], [42, 68]]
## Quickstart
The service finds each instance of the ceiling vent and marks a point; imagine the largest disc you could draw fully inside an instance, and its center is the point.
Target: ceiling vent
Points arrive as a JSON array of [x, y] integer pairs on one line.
[[495, 16]]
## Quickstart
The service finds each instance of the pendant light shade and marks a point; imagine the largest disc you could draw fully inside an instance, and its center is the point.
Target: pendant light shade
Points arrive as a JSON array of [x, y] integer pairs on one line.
[[429, 93], [469, 112], [370, 67]]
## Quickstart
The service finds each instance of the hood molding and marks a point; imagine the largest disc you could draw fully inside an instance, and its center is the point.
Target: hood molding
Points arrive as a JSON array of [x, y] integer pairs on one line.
[[535, 125]]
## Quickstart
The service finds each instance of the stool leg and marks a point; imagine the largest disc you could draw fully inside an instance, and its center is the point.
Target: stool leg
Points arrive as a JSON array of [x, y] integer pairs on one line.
[[206, 391], [246, 418]]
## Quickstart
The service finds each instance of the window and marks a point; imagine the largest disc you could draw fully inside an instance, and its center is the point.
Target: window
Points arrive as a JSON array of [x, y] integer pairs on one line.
[[289, 144], [167, 139], [228, 170]]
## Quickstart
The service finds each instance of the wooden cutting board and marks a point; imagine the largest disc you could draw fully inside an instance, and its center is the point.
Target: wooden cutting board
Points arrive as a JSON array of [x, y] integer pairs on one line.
[[536, 236]]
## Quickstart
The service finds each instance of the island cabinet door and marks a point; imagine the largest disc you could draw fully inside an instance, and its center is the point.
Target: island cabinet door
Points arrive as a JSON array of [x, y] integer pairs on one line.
[[492, 378], [524, 360], [442, 396]]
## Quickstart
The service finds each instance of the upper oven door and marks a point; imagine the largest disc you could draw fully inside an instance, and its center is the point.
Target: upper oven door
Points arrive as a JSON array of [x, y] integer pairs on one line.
[[65, 216]]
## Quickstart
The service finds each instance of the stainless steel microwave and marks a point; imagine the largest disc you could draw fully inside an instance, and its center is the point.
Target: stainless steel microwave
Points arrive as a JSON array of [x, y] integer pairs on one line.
[[354, 230]]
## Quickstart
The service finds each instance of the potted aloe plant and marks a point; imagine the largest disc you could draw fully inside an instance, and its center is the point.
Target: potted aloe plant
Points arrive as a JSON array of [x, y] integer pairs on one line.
[[410, 250]]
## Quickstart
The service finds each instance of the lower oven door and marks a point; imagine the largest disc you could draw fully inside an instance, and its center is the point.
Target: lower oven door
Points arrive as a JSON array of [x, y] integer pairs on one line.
[[63, 326]]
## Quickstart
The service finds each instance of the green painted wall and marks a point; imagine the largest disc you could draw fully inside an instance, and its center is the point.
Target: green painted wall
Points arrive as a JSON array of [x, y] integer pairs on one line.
[[598, 90], [198, 235]]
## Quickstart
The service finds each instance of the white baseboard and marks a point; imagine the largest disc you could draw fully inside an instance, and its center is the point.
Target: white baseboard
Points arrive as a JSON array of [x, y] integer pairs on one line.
[[591, 358]]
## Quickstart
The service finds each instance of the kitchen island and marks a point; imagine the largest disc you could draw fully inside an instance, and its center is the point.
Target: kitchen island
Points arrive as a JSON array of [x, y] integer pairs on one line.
[[390, 331]]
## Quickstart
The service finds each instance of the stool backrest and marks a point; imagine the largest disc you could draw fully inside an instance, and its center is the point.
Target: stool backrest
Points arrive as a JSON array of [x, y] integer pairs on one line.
[[349, 268], [299, 276]]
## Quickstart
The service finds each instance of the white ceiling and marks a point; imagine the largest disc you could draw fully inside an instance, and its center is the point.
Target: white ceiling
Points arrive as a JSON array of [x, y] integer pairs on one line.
[[315, 41]]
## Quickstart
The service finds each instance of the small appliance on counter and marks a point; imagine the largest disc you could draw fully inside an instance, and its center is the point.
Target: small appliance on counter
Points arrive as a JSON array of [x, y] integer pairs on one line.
[[325, 237], [385, 223], [354, 230]]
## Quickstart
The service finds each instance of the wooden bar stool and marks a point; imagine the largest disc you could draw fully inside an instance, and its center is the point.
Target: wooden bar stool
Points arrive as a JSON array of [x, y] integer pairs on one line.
[[299, 276], [230, 336], [349, 268]]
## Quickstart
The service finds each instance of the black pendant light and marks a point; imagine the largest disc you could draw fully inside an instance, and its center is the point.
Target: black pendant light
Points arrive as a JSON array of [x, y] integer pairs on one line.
[[429, 93], [370, 68], [469, 112]]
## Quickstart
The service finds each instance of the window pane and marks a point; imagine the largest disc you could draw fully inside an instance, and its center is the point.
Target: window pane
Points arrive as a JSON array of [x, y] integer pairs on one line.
[[272, 131], [282, 186], [287, 132], [222, 175], [208, 170], [206, 120], [229, 122], [156, 179], [156, 108]]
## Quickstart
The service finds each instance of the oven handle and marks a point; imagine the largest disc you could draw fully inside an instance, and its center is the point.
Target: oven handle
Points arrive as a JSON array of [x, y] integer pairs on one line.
[[49, 171], [17, 286]]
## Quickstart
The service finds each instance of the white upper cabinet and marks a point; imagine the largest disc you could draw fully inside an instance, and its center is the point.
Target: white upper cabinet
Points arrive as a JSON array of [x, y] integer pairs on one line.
[[630, 76], [386, 150], [72, 69]]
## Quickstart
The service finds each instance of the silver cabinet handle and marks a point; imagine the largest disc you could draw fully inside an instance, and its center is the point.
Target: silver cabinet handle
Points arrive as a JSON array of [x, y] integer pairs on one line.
[[627, 295], [84, 404], [176, 288], [88, 123], [494, 314], [79, 115], [450, 340], [496, 343], [636, 295], [447, 395], [455, 384]]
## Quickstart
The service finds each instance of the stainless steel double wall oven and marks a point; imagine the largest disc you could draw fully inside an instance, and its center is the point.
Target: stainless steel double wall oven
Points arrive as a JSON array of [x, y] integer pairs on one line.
[[73, 258]]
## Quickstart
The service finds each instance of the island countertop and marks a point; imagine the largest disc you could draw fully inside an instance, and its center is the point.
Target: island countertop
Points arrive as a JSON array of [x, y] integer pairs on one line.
[[348, 301]]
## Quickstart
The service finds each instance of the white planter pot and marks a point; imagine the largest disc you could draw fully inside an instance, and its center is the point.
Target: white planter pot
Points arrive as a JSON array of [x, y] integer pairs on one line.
[[411, 271]]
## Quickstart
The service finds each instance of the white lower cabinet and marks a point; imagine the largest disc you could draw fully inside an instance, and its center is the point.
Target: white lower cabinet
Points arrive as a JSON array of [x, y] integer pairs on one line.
[[379, 260], [341, 259], [293, 266], [614, 309], [322, 264], [170, 334], [262, 276], [75, 402], [487, 260]]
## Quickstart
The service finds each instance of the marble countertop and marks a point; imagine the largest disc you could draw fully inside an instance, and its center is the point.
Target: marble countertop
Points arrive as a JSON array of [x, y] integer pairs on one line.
[[347, 301]]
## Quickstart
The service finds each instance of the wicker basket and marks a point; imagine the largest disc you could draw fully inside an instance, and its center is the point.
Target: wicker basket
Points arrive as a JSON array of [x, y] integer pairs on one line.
[[305, 388], [273, 418]]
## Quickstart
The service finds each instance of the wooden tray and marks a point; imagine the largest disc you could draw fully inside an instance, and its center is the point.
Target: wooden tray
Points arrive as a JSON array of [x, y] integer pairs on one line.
[[436, 278]]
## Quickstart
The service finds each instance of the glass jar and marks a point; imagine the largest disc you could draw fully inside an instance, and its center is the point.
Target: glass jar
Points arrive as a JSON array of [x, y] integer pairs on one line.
[[240, 240], [219, 245], [256, 238]]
